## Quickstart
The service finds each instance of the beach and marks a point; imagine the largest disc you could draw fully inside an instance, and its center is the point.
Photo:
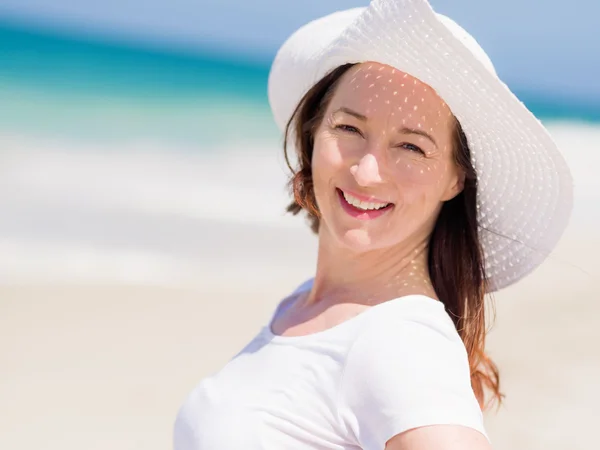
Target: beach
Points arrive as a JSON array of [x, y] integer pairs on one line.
[[130, 271]]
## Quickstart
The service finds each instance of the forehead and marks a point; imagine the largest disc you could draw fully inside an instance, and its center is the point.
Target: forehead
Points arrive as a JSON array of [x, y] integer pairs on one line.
[[379, 88]]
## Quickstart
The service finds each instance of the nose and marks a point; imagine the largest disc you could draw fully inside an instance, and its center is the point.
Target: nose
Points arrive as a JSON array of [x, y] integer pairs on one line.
[[366, 172]]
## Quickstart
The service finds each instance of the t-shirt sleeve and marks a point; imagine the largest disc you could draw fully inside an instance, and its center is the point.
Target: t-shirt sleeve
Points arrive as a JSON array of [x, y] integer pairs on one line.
[[404, 373]]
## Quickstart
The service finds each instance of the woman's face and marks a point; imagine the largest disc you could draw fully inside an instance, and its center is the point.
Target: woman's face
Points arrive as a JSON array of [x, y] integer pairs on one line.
[[383, 159]]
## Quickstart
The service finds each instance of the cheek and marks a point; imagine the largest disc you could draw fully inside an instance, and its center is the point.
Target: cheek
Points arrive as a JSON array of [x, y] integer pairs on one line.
[[421, 182], [326, 161], [328, 157], [421, 172]]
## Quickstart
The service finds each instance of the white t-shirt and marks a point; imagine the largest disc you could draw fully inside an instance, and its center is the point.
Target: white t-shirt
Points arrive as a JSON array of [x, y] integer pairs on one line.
[[395, 366]]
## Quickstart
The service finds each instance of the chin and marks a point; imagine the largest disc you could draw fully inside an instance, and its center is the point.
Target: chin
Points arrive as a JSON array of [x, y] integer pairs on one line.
[[358, 240]]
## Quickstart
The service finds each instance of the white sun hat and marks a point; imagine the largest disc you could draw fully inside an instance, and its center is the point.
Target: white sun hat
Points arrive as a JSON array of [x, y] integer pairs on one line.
[[525, 188]]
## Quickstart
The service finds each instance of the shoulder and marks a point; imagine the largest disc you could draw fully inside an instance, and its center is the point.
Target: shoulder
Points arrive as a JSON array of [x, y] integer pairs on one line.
[[289, 299], [414, 333], [407, 368], [408, 325]]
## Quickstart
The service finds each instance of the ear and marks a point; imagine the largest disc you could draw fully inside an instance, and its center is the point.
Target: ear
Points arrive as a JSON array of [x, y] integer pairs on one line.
[[455, 187]]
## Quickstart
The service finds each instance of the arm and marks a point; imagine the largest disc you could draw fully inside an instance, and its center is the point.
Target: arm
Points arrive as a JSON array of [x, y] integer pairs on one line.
[[439, 437]]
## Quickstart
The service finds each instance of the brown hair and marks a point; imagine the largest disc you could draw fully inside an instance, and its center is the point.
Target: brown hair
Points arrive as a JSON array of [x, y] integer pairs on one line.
[[461, 285]]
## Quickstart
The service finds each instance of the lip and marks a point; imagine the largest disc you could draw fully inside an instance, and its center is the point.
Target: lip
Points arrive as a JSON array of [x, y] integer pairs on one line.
[[359, 213], [364, 198]]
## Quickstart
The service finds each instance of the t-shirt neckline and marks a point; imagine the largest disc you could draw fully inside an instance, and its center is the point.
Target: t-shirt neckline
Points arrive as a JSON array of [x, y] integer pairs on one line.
[[406, 300]]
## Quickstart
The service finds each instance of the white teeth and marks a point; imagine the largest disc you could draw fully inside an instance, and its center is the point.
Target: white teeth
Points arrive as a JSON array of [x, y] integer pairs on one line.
[[363, 205]]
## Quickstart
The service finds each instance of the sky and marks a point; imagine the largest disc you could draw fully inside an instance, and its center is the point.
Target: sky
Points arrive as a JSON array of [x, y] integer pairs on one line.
[[554, 47]]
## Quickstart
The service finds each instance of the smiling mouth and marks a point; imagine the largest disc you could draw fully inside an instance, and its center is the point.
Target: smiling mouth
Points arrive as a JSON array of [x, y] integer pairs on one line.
[[365, 206], [361, 208]]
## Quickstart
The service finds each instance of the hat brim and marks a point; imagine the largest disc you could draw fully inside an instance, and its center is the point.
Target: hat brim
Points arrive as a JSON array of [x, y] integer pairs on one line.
[[525, 190]]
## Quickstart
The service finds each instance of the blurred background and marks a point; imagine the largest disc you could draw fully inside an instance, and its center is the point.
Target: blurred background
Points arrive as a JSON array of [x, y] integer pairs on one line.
[[143, 239]]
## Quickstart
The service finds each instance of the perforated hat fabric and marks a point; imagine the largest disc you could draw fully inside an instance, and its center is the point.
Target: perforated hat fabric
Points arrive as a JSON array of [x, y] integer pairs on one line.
[[525, 190]]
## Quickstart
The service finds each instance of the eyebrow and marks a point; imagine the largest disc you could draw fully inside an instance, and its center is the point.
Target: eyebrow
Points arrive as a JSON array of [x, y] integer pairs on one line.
[[343, 109], [406, 130], [403, 130]]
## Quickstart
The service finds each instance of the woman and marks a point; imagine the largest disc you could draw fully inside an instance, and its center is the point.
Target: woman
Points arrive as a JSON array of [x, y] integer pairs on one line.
[[428, 184]]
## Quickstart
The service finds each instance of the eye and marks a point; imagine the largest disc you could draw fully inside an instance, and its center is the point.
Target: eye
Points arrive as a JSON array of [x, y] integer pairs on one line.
[[347, 128], [412, 148]]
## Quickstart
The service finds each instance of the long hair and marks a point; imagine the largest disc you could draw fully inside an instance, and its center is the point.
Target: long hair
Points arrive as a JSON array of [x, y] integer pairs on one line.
[[455, 258]]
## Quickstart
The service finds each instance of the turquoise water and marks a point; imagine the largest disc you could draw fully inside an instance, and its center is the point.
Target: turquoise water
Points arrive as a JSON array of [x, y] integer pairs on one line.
[[60, 85], [52, 84]]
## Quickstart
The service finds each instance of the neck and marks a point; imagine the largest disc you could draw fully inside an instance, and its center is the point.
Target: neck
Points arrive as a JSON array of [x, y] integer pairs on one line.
[[369, 278]]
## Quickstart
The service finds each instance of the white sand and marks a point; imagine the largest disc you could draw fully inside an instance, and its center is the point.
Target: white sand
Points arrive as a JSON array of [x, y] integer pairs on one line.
[[126, 279]]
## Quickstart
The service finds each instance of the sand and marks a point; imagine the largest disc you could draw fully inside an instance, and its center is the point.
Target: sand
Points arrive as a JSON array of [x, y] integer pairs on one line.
[[107, 366]]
